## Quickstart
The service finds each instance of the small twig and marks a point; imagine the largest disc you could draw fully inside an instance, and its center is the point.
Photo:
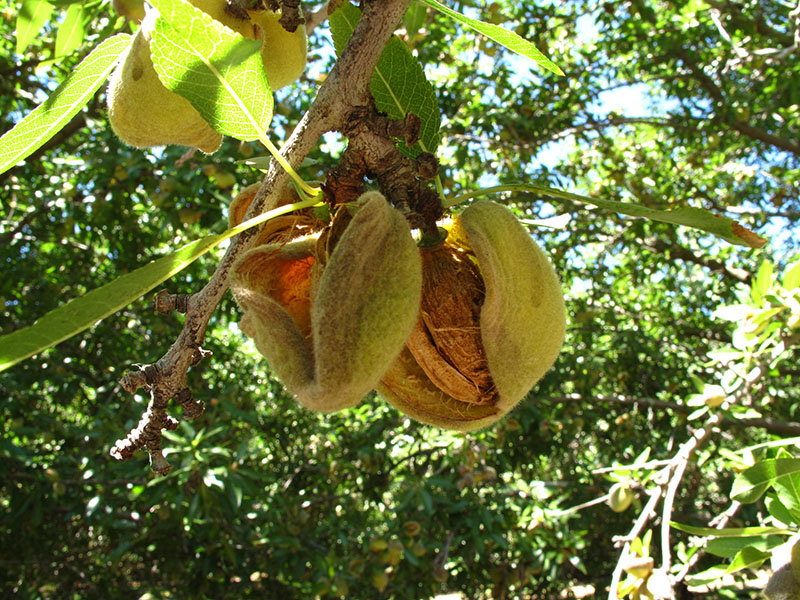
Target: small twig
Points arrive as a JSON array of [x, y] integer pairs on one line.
[[164, 302], [772, 425], [668, 478], [719, 522]]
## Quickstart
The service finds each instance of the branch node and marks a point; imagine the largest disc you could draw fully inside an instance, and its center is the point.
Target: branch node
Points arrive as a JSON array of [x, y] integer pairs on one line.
[[191, 408], [146, 376], [165, 302], [199, 354], [158, 463]]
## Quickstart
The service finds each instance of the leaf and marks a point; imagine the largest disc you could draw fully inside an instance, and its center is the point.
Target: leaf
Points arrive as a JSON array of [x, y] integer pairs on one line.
[[213, 67], [762, 282], [72, 31], [502, 36], [791, 279], [779, 512], [728, 547], [752, 483], [748, 558], [707, 576], [787, 489], [697, 218], [415, 18], [81, 313], [32, 15], [731, 531], [398, 84], [48, 118]]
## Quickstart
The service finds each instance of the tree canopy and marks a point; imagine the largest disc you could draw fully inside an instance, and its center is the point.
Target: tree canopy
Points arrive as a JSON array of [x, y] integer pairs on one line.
[[650, 170]]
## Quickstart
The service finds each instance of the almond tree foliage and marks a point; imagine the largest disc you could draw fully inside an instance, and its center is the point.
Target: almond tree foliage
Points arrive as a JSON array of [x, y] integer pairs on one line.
[[268, 500]]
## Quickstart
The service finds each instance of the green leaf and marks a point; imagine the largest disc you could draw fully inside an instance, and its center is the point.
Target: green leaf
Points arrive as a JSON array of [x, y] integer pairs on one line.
[[731, 531], [81, 313], [213, 67], [30, 18], [728, 547], [791, 279], [64, 103], [697, 218], [504, 37], [72, 31], [398, 84], [415, 18], [752, 483], [779, 512], [748, 558], [787, 489], [707, 576], [762, 282]]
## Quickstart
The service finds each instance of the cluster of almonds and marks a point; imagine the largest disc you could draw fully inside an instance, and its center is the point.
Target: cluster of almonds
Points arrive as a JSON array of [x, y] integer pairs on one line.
[[453, 334], [144, 113]]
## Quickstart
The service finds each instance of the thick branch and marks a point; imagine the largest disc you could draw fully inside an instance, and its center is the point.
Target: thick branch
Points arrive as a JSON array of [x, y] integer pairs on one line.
[[716, 93], [783, 428], [347, 86], [676, 251]]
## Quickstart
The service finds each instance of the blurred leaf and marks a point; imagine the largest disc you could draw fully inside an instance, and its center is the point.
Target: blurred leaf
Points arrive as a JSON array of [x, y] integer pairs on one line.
[[747, 558], [731, 531], [72, 31], [726, 547], [791, 279], [779, 512], [48, 118], [31, 16], [761, 282]]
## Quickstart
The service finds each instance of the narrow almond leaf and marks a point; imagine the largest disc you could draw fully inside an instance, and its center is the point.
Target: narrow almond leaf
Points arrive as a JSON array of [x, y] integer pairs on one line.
[[213, 67], [48, 118], [708, 576], [747, 558], [697, 218], [730, 546], [502, 36], [32, 15], [752, 483], [81, 313], [398, 84], [731, 531], [72, 31]]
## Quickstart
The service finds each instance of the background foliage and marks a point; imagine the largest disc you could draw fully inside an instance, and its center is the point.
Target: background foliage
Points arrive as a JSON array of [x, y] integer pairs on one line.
[[668, 104]]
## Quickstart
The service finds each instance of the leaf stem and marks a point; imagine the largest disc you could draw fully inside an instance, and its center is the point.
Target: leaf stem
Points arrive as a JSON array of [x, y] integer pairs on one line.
[[311, 191], [270, 214]]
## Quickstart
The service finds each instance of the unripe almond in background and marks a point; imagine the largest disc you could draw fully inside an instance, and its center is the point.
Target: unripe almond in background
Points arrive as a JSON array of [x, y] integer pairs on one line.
[[491, 323], [144, 113], [620, 497]]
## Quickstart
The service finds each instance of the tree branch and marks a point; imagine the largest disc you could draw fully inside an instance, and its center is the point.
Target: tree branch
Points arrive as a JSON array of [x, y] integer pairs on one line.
[[676, 251], [771, 425], [346, 87]]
